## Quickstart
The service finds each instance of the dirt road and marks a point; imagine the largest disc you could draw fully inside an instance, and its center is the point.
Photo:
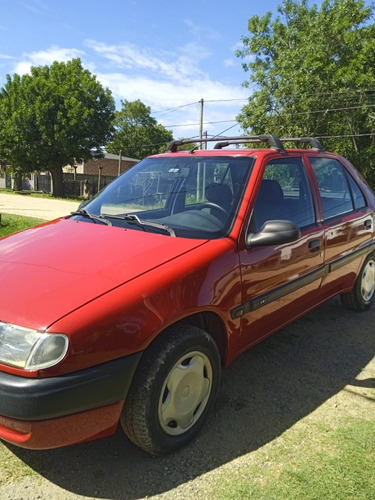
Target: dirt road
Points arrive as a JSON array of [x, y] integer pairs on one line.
[[42, 208]]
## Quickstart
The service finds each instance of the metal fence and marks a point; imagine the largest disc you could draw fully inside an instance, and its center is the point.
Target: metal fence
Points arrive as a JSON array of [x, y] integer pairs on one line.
[[79, 185]]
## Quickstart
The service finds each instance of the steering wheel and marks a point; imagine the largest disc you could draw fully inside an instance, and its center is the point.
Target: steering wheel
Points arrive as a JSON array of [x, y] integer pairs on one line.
[[209, 204]]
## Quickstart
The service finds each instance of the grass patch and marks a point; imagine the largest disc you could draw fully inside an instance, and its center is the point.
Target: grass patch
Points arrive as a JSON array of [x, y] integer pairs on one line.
[[12, 223], [341, 467], [12, 468]]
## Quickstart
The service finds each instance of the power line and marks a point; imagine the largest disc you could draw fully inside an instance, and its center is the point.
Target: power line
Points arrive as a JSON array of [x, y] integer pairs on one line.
[[327, 110], [170, 110], [348, 136], [333, 93], [197, 124], [226, 130], [225, 100], [335, 109]]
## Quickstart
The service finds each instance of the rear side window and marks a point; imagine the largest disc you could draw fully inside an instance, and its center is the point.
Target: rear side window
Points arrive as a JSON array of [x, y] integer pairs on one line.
[[358, 198], [338, 190]]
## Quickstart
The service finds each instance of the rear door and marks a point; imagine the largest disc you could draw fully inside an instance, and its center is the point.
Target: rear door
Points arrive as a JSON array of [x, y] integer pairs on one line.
[[347, 223], [281, 282]]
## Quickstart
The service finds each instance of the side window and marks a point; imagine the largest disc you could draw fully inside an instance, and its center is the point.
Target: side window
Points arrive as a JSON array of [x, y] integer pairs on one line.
[[338, 190], [358, 198], [284, 194]]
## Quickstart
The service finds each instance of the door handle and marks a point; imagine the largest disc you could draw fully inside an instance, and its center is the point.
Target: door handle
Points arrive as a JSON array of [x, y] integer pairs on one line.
[[368, 224], [314, 245]]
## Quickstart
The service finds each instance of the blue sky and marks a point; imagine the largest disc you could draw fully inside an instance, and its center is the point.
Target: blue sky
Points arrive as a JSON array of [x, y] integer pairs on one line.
[[170, 54]]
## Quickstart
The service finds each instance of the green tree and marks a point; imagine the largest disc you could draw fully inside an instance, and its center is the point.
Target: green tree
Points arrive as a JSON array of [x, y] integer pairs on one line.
[[137, 133], [312, 73], [51, 117]]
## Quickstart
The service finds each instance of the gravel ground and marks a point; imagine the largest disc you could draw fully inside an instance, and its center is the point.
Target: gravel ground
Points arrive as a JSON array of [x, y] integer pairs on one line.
[[311, 369], [42, 208]]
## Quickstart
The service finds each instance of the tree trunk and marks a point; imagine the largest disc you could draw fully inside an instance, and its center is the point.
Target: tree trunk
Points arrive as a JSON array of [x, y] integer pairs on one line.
[[57, 182], [17, 181]]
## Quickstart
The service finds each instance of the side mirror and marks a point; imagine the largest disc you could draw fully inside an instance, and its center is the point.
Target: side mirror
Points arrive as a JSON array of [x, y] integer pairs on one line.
[[274, 232]]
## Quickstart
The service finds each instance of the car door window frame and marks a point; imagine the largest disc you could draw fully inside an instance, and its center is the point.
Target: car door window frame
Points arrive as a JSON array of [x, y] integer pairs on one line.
[[328, 187]]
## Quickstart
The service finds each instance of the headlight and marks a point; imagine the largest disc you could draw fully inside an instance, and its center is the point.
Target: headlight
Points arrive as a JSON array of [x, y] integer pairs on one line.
[[30, 349]]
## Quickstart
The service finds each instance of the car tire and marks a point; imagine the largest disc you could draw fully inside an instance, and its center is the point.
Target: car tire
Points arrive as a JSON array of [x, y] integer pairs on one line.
[[363, 293], [173, 390]]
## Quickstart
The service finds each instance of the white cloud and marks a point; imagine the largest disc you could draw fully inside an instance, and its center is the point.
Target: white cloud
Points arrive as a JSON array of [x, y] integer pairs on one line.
[[163, 94], [170, 65], [45, 57], [229, 63], [170, 95], [202, 32], [167, 80], [160, 79]]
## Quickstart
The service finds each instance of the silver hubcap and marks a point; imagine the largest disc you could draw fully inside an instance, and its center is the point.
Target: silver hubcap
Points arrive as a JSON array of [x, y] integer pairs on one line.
[[368, 281], [185, 393]]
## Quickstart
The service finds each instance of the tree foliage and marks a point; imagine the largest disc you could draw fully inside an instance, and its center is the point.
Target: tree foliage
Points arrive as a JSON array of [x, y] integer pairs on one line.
[[137, 133], [312, 73], [52, 116]]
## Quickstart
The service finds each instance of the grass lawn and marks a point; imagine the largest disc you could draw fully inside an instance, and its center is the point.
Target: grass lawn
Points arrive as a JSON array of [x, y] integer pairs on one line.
[[12, 223], [339, 467]]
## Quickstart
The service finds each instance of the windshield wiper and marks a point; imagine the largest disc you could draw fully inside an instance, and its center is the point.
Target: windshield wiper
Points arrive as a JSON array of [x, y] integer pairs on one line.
[[85, 213], [140, 222]]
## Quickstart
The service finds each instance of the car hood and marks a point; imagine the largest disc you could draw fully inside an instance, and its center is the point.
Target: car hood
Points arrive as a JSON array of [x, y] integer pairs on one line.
[[50, 270]]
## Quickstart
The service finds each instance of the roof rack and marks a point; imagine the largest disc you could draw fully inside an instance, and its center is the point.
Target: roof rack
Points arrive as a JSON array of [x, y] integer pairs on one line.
[[226, 141], [274, 142], [313, 141]]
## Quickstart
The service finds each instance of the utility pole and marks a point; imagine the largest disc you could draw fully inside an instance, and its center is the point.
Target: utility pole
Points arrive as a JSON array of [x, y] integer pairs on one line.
[[201, 123], [119, 163]]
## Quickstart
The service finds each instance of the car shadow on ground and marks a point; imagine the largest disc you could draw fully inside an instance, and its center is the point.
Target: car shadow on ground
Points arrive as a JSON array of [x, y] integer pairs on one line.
[[265, 392]]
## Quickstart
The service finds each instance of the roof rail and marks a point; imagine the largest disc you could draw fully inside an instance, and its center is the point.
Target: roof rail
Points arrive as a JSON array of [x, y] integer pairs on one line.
[[313, 141], [274, 142], [223, 142]]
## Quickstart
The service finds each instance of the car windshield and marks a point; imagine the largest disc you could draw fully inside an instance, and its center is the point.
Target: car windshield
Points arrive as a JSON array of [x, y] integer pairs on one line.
[[186, 196]]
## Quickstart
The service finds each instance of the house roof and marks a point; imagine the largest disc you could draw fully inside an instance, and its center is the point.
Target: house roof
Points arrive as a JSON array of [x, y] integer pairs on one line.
[[110, 156]]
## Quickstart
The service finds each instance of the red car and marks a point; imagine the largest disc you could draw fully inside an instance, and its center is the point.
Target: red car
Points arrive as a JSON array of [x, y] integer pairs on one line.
[[128, 309]]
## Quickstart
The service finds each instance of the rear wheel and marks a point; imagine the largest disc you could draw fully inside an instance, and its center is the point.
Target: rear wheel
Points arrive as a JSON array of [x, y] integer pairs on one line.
[[363, 293], [172, 391]]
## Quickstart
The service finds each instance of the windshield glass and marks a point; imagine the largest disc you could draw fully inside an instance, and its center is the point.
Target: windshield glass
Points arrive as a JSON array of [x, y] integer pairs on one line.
[[193, 196]]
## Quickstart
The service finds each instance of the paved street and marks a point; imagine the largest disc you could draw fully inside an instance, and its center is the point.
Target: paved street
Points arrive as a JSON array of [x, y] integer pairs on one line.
[[42, 208]]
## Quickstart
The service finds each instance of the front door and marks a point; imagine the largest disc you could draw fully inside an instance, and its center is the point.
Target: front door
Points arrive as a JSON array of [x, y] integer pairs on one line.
[[281, 282]]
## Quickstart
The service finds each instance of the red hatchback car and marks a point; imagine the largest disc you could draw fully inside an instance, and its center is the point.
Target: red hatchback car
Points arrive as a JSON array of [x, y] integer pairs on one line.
[[128, 309]]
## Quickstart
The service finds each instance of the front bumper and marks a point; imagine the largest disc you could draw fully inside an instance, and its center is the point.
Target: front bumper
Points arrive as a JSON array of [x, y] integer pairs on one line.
[[52, 412]]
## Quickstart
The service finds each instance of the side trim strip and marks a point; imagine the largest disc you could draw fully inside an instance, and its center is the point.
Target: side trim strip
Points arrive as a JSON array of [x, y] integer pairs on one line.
[[353, 256], [267, 298]]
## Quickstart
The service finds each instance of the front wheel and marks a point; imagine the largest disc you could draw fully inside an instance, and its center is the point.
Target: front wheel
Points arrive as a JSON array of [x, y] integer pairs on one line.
[[363, 293], [172, 391]]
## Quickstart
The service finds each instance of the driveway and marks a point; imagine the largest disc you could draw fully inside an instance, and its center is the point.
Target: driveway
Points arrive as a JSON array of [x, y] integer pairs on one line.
[[41, 208]]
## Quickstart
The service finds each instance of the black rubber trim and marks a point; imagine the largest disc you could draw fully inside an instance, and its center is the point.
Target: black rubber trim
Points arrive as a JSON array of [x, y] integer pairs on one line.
[[41, 399], [267, 298], [353, 256]]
